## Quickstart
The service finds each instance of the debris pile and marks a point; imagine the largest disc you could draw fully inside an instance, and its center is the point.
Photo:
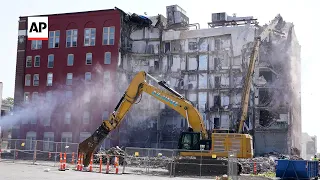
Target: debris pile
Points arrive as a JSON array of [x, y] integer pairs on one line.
[[264, 164]]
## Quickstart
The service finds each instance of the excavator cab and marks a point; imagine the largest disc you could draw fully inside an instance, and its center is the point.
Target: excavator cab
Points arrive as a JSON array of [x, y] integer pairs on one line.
[[192, 141]]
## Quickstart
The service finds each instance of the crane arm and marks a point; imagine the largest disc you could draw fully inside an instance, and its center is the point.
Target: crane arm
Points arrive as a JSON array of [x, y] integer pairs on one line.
[[138, 85], [247, 84]]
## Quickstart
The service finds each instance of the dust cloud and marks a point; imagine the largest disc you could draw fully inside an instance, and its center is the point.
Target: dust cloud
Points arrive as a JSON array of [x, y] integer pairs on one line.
[[38, 109]]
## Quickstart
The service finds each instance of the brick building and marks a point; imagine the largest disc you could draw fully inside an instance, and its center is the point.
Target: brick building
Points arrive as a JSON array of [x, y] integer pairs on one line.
[[62, 77]]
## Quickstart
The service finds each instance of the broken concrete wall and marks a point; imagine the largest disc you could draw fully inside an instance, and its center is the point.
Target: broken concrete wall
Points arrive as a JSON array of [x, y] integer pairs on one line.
[[278, 85]]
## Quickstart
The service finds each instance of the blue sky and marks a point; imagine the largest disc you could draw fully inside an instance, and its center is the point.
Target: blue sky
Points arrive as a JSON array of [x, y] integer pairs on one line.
[[302, 13]]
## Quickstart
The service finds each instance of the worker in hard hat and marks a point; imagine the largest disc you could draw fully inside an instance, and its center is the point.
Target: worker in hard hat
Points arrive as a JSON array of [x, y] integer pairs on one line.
[[315, 158]]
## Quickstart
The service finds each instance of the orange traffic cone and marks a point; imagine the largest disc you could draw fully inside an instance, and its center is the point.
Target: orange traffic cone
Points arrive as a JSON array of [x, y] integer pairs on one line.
[[116, 164], [91, 164], [100, 165], [61, 163], [78, 163], [108, 165]]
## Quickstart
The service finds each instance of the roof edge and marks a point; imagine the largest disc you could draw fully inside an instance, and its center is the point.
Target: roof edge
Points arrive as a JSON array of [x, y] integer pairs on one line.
[[79, 12]]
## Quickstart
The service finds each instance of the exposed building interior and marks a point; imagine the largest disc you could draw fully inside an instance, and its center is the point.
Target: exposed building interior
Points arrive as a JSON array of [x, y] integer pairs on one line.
[[207, 66]]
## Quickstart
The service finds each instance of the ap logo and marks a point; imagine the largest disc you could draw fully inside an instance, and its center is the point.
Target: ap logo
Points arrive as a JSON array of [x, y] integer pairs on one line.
[[38, 28]]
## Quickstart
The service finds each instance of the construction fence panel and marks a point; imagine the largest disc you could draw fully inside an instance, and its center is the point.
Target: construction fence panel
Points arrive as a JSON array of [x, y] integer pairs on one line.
[[108, 164], [149, 161], [48, 152]]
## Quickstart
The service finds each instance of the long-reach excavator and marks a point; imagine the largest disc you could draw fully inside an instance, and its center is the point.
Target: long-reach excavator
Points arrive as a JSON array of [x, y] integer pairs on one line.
[[196, 141]]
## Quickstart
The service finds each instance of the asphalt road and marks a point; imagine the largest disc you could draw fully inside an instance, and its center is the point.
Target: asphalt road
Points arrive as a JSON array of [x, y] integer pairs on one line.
[[18, 171]]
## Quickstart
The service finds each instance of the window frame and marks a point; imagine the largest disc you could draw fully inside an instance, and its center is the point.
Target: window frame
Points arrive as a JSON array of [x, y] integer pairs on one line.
[[37, 44], [85, 76], [69, 117], [48, 79], [25, 80], [87, 58], [54, 39], [108, 34], [90, 37], [26, 94], [70, 55], [35, 94], [67, 79], [49, 61], [105, 57], [28, 58], [72, 36], [34, 62], [33, 80]]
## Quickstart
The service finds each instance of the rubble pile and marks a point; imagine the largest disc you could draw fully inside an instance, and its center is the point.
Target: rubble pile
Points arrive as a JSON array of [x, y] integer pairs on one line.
[[130, 159], [265, 163]]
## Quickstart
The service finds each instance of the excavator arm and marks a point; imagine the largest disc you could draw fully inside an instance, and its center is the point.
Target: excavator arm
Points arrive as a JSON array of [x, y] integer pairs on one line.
[[138, 85]]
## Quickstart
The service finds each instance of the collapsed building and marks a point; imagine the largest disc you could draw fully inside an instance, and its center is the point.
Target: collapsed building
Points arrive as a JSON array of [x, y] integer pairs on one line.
[[208, 67]]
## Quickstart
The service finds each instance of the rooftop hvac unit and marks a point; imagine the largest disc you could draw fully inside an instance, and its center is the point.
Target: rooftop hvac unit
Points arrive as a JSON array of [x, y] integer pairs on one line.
[[176, 15], [222, 16]]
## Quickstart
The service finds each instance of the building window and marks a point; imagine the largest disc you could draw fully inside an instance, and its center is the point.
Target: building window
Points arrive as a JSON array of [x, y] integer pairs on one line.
[[35, 96], [36, 80], [66, 138], [27, 80], [26, 96], [36, 44], [67, 118], [49, 79], [105, 115], [87, 76], [49, 95], [108, 36], [107, 58], [106, 76], [89, 36], [72, 37], [68, 95], [70, 60], [54, 39], [46, 119], [30, 140], [86, 117], [48, 141], [88, 58], [37, 61], [50, 61], [29, 61], [84, 136], [69, 79], [217, 44]]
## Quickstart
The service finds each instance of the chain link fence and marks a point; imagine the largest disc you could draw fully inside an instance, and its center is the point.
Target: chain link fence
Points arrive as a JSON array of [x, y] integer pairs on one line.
[[173, 163], [37, 151], [155, 162]]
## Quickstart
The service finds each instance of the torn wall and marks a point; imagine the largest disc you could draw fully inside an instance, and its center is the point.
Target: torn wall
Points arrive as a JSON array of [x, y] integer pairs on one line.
[[278, 100]]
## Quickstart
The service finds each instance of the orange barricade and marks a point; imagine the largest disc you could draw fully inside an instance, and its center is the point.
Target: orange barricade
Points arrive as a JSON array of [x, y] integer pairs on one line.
[[100, 164], [78, 162], [108, 165], [91, 164], [254, 168], [61, 163], [49, 155], [116, 164], [81, 162], [72, 160]]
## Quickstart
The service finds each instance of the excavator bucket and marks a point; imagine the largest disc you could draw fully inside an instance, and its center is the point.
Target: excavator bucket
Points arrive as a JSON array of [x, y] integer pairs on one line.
[[89, 146]]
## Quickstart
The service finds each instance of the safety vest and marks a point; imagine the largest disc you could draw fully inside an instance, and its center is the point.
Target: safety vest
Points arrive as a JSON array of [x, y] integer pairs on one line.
[[315, 159]]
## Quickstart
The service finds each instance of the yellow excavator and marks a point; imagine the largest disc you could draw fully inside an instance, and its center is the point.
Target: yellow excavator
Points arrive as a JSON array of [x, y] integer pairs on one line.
[[196, 141]]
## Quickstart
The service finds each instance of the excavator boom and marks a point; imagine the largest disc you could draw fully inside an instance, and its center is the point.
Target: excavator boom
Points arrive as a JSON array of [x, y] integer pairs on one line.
[[138, 85]]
